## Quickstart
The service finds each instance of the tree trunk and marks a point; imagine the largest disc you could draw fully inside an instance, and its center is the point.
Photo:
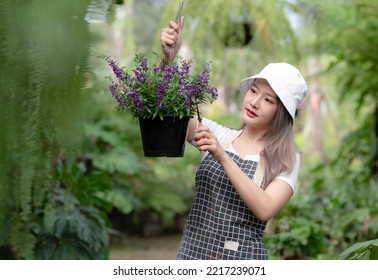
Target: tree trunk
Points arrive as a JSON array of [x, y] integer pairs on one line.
[[314, 126]]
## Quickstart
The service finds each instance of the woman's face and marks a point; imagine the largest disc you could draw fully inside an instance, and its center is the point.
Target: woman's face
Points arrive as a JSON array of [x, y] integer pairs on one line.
[[260, 105]]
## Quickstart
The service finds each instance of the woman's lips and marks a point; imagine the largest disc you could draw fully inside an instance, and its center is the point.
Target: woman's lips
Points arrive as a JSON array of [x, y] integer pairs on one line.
[[250, 113]]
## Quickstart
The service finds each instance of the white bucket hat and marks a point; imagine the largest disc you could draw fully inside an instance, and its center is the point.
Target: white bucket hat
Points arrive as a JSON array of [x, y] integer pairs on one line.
[[286, 81]]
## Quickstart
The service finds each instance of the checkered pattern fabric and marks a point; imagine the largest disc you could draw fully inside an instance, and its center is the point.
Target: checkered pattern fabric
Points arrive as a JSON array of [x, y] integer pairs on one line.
[[220, 225]]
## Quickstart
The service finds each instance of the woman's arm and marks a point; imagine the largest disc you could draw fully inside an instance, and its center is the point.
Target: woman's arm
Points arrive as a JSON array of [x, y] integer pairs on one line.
[[263, 203], [192, 127], [170, 40]]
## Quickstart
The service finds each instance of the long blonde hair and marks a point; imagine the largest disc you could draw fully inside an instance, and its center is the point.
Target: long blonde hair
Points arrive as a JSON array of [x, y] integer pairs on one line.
[[279, 153], [280, 150]]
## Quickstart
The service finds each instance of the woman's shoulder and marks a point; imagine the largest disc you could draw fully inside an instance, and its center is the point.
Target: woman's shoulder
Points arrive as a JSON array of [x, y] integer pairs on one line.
[[219, 130], [292, 177], [215, 127]]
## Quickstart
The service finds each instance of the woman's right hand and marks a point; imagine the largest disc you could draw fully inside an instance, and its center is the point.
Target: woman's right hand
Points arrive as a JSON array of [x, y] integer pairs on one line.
[[170, 40]]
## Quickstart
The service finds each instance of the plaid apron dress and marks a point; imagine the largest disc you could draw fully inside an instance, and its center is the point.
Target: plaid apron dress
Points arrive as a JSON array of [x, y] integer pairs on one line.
[[220, 225]]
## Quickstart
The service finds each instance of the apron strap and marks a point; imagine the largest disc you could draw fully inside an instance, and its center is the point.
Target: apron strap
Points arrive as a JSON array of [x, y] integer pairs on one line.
[[258, 178], [230, 138]]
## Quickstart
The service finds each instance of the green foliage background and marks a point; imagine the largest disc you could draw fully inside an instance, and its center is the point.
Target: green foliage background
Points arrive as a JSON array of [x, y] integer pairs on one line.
[[70, 164], [336, 203]]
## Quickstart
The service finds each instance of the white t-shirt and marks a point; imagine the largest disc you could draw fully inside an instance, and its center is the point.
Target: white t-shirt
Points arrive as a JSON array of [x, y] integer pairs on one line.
[[222, 132]]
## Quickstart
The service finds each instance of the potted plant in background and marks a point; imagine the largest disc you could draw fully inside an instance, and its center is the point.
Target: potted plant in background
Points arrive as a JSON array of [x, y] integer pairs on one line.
[[163, 98]]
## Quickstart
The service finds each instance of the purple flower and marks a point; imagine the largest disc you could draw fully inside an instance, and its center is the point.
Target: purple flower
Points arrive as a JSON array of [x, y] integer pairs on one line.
[[188, 102], [157, 69], [116, 70], [139, 75], [144, 65], [114, 91], [137, 101], [160, 93], [161, 89], [168, 71], [204, 75], [213, 92], [185, 68]]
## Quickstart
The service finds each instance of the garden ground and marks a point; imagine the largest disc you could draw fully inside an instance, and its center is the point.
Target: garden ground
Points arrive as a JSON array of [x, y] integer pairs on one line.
[[162, 247]]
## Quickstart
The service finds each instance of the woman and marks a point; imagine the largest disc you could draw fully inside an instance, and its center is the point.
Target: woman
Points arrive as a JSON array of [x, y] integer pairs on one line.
[[245, 177]]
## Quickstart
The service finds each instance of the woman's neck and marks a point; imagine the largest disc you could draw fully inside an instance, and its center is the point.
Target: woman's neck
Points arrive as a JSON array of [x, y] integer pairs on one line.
[[253, 136]]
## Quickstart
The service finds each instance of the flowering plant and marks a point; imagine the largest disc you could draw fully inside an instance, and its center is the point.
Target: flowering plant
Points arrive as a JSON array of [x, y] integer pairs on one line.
[[160, 90]]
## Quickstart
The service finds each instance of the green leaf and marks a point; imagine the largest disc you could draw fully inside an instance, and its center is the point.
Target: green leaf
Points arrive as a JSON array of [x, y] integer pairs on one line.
[[120, 159], [359, 250], [121, 199]]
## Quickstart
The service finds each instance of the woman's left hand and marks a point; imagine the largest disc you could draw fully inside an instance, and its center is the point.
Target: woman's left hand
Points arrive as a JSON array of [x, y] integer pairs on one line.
[[170, 40], [208, 142]]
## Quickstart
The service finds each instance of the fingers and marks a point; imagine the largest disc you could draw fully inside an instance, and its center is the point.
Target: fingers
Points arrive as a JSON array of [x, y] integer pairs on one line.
[[173, 25], [202, 131], [173, 28], [170, 40], [169, 33], [206, 144], [203, 136], [166, 37]]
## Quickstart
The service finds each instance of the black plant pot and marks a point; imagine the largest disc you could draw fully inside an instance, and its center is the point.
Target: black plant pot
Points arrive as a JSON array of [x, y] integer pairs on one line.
[[164, 138]]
